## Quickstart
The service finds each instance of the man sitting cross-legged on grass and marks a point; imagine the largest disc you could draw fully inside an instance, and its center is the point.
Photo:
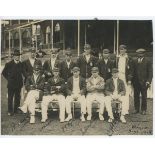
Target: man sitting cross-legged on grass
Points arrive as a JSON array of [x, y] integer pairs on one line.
[[56, 89], [95, 88], [115, 90], [76, 89], [34, 86]]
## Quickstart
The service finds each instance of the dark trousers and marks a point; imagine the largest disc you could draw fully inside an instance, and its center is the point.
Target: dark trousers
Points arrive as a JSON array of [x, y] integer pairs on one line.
[[13, 93], [140, 88]]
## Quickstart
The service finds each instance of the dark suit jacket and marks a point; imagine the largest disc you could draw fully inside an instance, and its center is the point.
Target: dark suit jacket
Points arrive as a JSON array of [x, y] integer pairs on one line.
[[52, 86], [110, 87], [13, 73], [31, 84], [28, 68], [66, 72], [48, 68], [82, 84], [129, 68], [142, 71], [106, 69], [85, 68]]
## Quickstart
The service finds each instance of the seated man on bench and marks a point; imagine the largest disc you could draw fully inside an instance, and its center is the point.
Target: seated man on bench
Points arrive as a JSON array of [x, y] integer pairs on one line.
[[76, 90], [56, 89], [95, 89], [34, 86], [115, 90]]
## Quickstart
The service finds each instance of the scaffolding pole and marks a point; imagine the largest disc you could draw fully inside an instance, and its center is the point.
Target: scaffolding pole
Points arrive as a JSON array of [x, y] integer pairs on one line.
[[9, 45], [52, 33], [20, 43], [78, 37], [117, 36], [114, 39], [85, 34]]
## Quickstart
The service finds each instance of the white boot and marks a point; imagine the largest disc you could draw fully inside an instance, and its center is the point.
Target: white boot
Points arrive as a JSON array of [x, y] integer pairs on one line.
[[68, 118], [89, 118], [82, 118], [32, 119], [101, 117], [122, 119]]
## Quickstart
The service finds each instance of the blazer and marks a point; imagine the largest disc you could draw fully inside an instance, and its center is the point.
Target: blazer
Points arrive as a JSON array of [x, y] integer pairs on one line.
[[28, 68], [13, 73], [48, 68], [52, 86], [82, 85], [105, 69], [31, 84], [129, 68], [110, 87], [85, 68], [66, 72], [143, 71], [100, 85]]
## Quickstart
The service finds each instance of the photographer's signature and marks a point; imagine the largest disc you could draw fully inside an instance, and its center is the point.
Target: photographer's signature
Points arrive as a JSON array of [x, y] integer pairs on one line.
[[136, 129]]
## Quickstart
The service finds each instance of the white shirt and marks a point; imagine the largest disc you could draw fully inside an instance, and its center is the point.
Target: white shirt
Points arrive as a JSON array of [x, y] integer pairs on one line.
[[35, 77], [105, 60], [115, 84], [140, 60], [122, 64], [76, 87], [53, 63], [32, 62], [68, 63], [94, 81], [87, 57]]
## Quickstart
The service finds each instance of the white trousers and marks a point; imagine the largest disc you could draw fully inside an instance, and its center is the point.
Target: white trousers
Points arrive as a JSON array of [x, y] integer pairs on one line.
[[81, 99], [49, 98], [123, 99], [122, 76], [91, 97], [30, 102]]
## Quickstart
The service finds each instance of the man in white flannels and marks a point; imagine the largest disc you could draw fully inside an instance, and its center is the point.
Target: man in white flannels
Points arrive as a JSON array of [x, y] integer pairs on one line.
[[56, 91], [95, 89], [115, 90], [34, 86], [76, 90], [125, 68]]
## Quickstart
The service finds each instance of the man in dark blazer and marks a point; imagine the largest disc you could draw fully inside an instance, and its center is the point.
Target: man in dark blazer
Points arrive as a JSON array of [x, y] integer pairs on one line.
[[34, 86], [29, 64], [86, 61], [115, 90], [141, 80], [76, 90], [13, 73], [50, 64], [105, 65], [66, 66]]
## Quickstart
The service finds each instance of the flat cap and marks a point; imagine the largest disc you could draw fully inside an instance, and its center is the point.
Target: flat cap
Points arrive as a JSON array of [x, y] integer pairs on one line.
[[114, 70], [140, 51], [76, 69], [94, 69], [122, 47], [55, 69], [106, 51], [87, 47]]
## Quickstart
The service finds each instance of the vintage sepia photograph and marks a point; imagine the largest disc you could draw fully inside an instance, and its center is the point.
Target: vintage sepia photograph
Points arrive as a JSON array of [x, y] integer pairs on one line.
[[76, 77]]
